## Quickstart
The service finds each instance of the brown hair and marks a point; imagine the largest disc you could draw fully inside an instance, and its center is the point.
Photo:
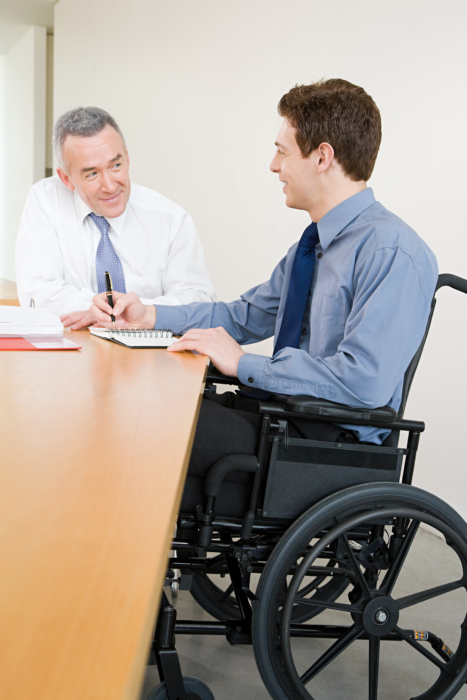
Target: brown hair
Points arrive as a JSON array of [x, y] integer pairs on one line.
[[341, 114]]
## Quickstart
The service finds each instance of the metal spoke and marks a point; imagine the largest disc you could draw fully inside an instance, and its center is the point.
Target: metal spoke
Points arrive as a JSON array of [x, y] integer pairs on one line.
[[313, 586], [333, 652], [422, 650], [327, 604], [373, 668], [390, 579], [226, 593], [361, 580], [409, 600]]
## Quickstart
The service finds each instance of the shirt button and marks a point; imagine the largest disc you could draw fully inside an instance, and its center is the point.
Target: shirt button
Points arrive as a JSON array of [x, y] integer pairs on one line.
[[303, 331], [251, 380], [320, 255]]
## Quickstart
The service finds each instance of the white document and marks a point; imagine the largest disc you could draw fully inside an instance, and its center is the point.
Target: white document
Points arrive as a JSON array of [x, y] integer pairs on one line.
[[17, 321]]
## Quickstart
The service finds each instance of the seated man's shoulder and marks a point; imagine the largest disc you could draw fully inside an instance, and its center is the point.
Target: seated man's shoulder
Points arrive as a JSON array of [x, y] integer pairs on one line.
[[152, 201], [50, 187], [48, 195], [389, 231]]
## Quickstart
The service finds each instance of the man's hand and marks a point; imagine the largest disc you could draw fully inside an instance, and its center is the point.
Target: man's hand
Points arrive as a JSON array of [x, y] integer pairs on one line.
[[129, 311], [78, 319], [220, 347]]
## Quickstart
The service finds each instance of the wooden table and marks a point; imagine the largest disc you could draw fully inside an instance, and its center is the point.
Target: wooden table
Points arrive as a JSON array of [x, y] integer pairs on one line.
[[95, 445], [8, 293]]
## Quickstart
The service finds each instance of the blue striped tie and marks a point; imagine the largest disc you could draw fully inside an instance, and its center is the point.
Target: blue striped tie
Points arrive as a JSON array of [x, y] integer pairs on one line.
[[107, 259], [299, 288]]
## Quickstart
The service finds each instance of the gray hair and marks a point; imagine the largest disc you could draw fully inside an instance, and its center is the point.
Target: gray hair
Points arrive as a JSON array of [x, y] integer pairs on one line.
[[81, 121]]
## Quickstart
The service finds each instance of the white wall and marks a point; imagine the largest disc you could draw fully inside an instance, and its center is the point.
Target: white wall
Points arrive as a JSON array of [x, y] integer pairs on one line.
[[22, 137], [195, 83]]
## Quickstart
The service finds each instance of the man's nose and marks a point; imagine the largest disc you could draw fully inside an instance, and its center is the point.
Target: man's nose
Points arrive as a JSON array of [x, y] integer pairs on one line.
[[108, 182], [274, 166]]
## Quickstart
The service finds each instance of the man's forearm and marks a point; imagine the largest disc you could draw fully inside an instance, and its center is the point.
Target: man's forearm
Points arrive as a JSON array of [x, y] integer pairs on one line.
[[244, 322], [55, 296]]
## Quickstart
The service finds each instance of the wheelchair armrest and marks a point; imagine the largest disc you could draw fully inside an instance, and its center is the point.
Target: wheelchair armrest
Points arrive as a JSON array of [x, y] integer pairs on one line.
[[216, 377], [337, 411], [312, 407]]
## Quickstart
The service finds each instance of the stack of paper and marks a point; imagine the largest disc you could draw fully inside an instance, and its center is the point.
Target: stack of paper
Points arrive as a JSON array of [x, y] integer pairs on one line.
[[16, 321]]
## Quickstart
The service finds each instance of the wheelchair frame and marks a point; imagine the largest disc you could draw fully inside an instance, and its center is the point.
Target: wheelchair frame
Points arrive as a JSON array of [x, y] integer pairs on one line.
[[244, 546]]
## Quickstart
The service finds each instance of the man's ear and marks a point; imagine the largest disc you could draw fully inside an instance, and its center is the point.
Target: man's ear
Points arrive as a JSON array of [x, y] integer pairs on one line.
[[325, 156], [127, 158], [65, 179]]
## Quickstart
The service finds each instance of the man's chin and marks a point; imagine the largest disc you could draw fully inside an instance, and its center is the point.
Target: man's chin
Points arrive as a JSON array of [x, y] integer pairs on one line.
[[290, 203], [112, 211]]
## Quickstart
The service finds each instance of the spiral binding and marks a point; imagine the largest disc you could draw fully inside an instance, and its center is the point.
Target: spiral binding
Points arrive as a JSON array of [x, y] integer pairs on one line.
[[141, 333]]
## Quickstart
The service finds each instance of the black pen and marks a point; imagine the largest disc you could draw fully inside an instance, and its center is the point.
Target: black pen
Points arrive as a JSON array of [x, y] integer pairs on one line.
[[109, 291]]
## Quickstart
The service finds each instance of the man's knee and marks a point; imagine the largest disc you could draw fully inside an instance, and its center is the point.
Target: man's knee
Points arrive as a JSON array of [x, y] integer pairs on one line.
[[220, 432]]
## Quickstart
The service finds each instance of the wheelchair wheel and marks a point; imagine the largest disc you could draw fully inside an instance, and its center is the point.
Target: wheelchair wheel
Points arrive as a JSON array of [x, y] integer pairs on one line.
[[369, 529], [195, 690], [222, 605]]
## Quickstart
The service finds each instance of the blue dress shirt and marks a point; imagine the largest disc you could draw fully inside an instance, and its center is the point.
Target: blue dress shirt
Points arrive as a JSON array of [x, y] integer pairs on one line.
[[370, 297]]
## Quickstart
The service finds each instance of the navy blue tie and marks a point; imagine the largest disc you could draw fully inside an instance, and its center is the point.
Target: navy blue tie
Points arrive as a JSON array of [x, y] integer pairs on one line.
[[299, 288], [107, 259]]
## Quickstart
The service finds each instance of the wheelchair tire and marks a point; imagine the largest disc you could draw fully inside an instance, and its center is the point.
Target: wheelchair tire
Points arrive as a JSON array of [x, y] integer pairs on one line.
[[195, 690], [337, 516], [214, 601]]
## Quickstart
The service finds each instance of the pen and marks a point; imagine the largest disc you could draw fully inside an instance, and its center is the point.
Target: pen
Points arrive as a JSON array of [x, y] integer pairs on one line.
[[109, 291]]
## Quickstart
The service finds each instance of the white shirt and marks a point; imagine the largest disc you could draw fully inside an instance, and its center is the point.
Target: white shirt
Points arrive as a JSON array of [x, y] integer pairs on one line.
[[154, 238]]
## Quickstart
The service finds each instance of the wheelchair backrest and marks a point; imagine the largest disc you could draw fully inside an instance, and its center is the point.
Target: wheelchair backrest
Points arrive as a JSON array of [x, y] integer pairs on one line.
[[444, 280]]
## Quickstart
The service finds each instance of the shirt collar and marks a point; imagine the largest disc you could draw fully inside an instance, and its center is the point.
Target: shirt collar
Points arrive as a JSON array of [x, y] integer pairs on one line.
[[84, 210], [340, 216]]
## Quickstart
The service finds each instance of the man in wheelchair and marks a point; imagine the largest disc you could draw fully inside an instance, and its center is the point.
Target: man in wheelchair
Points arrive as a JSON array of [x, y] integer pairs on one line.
[[348, 304], [349, 307]]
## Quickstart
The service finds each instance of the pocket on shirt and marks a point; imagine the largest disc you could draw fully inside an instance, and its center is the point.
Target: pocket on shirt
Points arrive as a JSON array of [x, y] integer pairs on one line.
[[328, 306]]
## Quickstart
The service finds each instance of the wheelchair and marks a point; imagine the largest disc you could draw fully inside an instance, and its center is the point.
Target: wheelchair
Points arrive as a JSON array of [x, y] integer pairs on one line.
[[328, 527]]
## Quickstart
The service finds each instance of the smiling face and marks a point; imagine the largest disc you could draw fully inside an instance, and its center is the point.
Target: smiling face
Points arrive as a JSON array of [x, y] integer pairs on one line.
[[296, 172], [97, 167]]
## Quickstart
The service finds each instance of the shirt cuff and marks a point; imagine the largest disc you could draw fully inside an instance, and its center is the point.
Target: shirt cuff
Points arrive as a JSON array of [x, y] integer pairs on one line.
[[251, 369], [168, 319]]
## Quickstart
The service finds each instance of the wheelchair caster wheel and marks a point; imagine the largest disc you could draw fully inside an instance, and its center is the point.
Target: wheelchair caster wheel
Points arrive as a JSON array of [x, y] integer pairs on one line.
[[195, 690], [175, 586]]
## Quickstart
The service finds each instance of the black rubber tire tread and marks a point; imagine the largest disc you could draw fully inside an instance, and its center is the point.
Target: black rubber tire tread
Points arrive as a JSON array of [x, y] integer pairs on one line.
[[195, 689], [341, 504]]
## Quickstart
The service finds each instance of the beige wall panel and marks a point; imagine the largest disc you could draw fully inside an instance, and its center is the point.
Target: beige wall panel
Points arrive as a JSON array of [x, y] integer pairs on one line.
[[22, 102]]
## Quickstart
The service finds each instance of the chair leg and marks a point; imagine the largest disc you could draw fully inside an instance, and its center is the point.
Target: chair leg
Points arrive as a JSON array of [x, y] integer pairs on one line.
[[165, 652]]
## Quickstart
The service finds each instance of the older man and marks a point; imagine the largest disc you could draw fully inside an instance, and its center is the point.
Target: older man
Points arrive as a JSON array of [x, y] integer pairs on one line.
[[91, 219]]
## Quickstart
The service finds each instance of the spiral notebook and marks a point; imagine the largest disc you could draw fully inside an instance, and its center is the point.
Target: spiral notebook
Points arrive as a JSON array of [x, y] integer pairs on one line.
[[136, 338]]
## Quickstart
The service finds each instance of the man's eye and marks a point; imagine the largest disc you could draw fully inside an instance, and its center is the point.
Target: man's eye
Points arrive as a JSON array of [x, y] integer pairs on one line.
[[91, 175], [117, 165]]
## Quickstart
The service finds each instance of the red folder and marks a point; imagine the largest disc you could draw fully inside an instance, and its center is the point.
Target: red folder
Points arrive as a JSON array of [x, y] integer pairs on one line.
[[57, 343]]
